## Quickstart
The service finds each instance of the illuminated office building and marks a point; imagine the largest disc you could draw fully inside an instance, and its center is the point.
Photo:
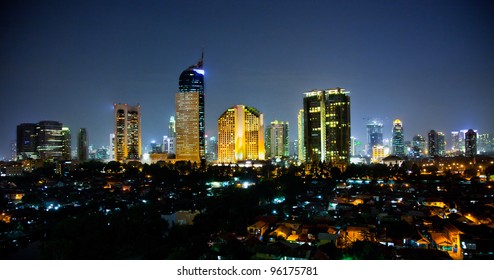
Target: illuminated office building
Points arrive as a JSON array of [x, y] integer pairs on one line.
[[441, 143], [277, 140], [327, 127], [66, 143], [397, 142], [127, 141], [484, 144], [436, 143], [240, 135], [470, 143], [189, 112], [374, 134], [418, 145], [49, 140]]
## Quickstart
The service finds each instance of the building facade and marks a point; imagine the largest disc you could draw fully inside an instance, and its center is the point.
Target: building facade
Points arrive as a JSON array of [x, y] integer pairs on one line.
[[300, 132], [398, 141], [240, 135], [127, 139], [470, 143], [374, 134], [277, 140], [50, 140], [82, 145], [26, 141], [327, 127], [418, 146], [189, 112]]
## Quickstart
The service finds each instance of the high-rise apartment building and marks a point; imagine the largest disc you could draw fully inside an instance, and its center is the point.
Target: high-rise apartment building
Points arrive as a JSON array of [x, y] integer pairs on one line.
[[277, 141], [436, 143], [398, 142], [327, 127], [82, 145], [301, 144], [240, 135], [127, 132], [470, 143], [374, 134], [189, 113]]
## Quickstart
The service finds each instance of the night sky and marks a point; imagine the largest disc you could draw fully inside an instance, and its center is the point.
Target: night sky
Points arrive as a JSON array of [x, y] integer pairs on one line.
[[428, 63]]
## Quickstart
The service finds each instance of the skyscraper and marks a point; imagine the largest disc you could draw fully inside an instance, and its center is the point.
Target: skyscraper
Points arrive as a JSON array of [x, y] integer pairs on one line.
[[66, 143], [49, 140], [277, 140], [301, 145], [189, 112], [172, 131], [455, 141], [26, 141], [470, 143], [82, 145], [432, 143], [127, 132], [441, 143], [398, 143], [327, 127], [374, 134], [240, 135], [418, 145]]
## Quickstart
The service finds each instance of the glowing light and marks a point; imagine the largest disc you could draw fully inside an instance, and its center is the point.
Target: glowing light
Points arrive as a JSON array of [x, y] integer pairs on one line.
[[199, 71]]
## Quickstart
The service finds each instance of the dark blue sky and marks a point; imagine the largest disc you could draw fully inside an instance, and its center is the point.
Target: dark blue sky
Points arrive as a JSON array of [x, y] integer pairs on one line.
[[428, 63]]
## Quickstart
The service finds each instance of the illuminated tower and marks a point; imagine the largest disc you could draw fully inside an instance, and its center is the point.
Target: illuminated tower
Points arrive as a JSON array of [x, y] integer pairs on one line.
[[127, 132], [397, 144], [441, 143], [277, 139], [82, 145], [189, 112], [66, 143], [49, 140], [240, 135], [418, 145], [327, 127], [374, 134], [301, 145], [470, 143]]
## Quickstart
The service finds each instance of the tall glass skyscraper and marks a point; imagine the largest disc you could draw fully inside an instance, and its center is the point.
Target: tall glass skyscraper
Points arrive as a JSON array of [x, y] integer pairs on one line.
[[470, 143], [374, 134], [127, 141], [189, 112], [327, 127], [398, 142]]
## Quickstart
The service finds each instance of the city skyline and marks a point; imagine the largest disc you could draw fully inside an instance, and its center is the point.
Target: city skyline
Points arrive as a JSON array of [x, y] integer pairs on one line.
[[427, 64]]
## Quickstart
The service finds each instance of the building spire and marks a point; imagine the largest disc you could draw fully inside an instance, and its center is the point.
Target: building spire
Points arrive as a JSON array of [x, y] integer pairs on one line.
[[200, 63]]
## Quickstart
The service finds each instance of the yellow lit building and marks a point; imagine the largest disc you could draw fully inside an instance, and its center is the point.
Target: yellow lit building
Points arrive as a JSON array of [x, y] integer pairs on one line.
[[127, 141], [240, 135], [187, 146]]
